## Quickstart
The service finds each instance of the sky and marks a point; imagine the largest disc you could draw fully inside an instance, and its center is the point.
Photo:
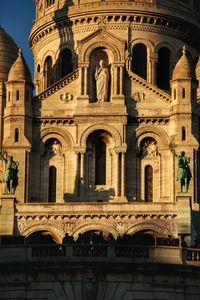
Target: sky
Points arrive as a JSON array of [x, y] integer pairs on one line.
[[16, 17]]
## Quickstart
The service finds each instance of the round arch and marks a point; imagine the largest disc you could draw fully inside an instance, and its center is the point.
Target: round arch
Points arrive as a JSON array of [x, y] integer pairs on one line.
[[152, 226], [57, 232], [158, 134], [62, 135], [92, 226], [114, 132], [46, 54], [172, 50], [91, 48], [150, 46]]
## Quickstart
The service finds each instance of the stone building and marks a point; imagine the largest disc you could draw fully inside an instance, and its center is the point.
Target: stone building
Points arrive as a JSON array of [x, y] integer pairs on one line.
[[100, 169]]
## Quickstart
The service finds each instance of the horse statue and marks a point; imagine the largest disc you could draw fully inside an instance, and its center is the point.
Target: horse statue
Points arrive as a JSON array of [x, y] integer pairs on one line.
[[10, 176], [183, 173]]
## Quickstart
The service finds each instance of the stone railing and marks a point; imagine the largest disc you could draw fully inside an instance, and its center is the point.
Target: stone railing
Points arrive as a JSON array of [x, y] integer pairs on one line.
[[58, 85], [86, 252], [192, 255]]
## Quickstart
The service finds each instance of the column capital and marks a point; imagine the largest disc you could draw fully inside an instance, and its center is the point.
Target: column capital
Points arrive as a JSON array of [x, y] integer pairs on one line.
[[79, 149], [121, 149]]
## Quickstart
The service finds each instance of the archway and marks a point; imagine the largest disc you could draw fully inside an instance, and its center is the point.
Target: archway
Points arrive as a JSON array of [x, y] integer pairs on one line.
[[41, 237], [98, 159]]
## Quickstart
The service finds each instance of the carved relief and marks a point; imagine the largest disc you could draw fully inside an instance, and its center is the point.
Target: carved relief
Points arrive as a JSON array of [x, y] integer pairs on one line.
[[149, 147], [67, 97], [138, 96]]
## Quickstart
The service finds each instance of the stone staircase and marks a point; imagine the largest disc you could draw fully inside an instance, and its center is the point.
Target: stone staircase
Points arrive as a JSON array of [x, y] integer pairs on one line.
[[58, 85], [155, 90]]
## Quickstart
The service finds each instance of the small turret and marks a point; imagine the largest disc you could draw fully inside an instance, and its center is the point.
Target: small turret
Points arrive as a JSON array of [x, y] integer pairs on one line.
[[19, 89], [183, 83], [17, 132]]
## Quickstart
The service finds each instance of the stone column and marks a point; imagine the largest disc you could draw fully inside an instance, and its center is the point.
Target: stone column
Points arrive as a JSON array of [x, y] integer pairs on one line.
[[82, 183], [115, 81], [152, 69], [122, 174], [85, 80], [121, 80]]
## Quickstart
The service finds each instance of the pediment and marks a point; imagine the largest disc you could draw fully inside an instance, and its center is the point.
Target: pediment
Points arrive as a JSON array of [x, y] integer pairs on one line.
[[101, 39], [101, 34]]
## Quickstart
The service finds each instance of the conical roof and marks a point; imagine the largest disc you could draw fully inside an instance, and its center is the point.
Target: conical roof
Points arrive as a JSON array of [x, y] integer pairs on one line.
[[8, 54], [184, 68], [19, 70]]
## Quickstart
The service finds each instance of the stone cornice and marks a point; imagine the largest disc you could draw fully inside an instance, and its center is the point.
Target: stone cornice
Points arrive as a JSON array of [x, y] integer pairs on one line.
[[148, 120], [143, 21], [46, 122]]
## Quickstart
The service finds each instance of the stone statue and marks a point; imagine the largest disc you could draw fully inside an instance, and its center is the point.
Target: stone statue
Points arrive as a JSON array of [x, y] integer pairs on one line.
[[54, 148], [183, 173], [102, 82], [150, 148], [10, 176]]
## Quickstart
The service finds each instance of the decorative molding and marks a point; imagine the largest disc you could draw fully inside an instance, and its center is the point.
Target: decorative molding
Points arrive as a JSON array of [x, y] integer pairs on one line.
[[71, 224], [46, 122]]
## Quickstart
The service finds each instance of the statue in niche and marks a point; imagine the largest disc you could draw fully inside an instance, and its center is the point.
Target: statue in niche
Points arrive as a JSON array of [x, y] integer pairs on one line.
[[54, 148], [183, 173], [150, 148], [102, 82], [10, 176]]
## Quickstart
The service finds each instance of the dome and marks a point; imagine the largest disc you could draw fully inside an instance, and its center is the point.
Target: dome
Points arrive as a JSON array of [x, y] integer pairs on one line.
[[184, 68], [19, 70], [8, 54]]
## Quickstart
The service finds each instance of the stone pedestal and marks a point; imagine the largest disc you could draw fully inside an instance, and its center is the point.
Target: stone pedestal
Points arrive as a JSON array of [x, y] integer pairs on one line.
[[184, 216], [7, 215]]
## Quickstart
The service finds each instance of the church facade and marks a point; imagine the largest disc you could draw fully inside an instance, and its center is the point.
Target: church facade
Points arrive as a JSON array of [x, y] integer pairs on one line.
[[107, 150]]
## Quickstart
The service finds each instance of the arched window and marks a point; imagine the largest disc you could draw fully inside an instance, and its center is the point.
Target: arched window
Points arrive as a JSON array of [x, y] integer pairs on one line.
[[17, 95], [183, 135], [48, 72], [100, 161], [183, 93], [38, 68], [139, 60], [16, 135], [148, 183], [65, 62], [174, 94], [9, 96], [163, 68], [52, 184]]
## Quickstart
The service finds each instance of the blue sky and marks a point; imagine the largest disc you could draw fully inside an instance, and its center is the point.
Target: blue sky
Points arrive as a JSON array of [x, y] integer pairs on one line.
[[16, 17]]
